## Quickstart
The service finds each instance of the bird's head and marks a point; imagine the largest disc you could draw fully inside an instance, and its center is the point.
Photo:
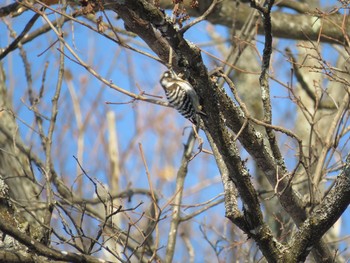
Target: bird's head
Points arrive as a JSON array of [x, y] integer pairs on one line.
[[167, 78]]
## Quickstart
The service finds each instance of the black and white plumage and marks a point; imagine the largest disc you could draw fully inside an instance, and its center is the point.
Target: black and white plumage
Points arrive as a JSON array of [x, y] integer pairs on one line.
[[181, 96]]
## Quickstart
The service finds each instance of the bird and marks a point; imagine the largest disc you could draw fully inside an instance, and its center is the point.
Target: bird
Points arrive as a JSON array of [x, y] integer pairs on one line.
[[181, 96]]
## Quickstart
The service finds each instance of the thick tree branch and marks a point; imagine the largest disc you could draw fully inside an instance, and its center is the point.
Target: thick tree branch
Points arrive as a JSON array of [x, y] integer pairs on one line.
[[16, 257], [318, 26], [251, 221], [261, 233], [322, 218], [314, 26]]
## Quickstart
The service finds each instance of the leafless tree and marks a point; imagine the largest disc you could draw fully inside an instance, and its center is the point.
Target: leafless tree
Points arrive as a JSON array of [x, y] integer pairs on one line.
[[95, 166]]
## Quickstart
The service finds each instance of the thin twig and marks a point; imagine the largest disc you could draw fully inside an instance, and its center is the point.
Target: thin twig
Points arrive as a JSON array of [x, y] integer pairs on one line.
[[15, 43], [202, 17], [180, 181], [156, 210], [329, 140]]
